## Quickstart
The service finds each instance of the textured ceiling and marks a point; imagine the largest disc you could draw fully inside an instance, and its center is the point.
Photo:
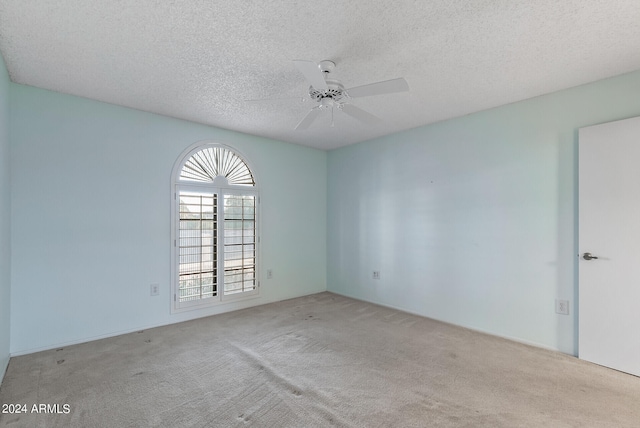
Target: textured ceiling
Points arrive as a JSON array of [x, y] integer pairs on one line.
[[200, 60]]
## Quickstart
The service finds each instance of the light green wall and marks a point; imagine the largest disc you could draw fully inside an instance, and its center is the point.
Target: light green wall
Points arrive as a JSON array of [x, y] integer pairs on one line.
[[472, 221], [91, 229], [5, 220]]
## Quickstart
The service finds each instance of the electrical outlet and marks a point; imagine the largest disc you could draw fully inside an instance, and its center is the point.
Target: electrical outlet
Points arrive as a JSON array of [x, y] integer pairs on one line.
[[155, 289], [376, 274], [562, 307], [269, 274]]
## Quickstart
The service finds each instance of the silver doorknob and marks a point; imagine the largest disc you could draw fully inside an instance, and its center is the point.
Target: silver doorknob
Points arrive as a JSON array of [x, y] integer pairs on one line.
[[588, 256]]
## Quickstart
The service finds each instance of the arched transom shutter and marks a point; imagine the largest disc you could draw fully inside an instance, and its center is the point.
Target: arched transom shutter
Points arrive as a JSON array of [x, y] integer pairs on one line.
[[207, 164]]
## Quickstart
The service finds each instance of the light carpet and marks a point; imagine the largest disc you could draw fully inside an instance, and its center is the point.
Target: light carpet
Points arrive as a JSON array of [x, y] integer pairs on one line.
[[317, 361]]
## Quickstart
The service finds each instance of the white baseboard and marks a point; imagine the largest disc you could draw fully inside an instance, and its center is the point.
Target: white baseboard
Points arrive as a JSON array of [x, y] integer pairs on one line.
[[478, 330], [257, 302]]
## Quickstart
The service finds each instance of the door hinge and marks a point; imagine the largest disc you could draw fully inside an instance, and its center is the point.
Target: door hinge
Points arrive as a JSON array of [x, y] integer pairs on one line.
[[174, 297]]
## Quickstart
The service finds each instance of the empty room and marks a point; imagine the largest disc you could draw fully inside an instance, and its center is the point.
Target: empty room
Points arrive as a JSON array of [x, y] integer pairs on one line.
[[310, 214]]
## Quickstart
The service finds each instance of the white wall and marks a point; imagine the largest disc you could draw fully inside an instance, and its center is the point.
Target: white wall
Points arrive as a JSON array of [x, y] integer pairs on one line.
[[91, 206], [5, 219], [472, 221]]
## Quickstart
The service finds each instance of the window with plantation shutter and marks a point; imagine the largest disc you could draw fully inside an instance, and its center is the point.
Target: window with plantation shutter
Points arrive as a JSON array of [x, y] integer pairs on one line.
[[239, 243], [198, 232], [215, 228]]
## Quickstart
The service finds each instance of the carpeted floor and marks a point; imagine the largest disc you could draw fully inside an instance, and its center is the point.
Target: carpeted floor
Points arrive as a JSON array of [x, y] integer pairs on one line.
[[317, 361]]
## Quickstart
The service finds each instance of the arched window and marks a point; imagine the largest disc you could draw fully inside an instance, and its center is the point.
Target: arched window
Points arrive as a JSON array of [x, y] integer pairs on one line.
[[214, 227]]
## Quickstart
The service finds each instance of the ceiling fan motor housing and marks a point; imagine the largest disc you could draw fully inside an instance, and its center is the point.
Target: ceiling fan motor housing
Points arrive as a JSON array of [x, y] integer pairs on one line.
[[335, 91]]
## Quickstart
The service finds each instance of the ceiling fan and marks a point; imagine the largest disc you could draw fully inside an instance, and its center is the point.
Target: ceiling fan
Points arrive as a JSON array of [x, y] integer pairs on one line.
[[330, 94]]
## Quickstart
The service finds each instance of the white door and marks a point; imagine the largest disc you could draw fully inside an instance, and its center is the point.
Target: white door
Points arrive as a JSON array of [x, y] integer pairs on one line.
[[609, 229]]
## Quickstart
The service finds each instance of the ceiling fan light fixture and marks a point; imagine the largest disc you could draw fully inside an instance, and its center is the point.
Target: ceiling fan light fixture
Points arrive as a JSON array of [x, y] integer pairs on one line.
[[326, 103]]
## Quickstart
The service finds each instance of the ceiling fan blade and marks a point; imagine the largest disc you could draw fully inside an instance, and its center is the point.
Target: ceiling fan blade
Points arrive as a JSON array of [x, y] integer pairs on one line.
[[379, 88], [312, 73], [361, 115], [308, 119]]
